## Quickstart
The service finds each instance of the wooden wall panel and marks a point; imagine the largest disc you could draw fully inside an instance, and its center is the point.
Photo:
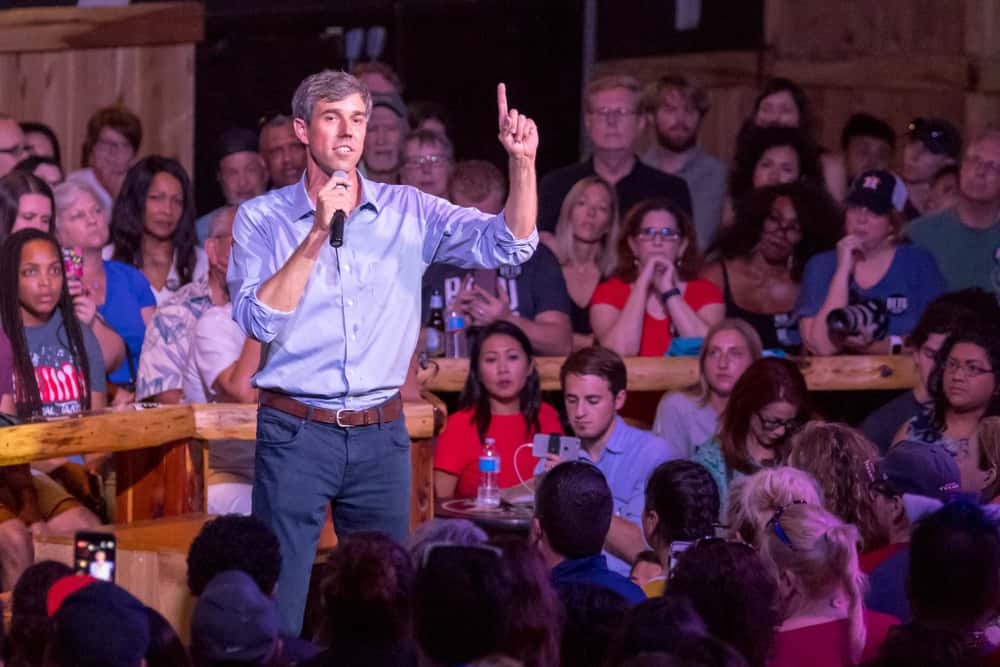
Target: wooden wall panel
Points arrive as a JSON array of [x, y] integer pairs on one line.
[[62, 89], [822, 30]]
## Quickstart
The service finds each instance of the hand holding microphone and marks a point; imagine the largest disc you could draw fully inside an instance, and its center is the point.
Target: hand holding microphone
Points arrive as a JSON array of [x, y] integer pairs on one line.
[[332, 204]]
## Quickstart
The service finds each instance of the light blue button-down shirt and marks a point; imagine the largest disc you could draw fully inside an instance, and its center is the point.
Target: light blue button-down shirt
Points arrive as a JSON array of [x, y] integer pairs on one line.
[[349, 341]]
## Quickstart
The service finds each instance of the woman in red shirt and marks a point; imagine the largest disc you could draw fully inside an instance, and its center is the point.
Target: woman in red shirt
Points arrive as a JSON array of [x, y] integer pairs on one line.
[[814, 557], [654, 295], [502, 400]]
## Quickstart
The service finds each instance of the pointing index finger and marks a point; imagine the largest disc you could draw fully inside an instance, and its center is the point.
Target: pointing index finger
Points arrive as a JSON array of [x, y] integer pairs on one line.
[[502, 103]]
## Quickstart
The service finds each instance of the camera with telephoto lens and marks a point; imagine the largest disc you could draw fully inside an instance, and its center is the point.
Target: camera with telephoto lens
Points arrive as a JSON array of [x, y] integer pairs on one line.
[[869, 318]]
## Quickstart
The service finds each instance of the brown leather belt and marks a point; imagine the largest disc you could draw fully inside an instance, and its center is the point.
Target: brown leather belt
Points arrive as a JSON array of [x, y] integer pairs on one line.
[[387, 412]]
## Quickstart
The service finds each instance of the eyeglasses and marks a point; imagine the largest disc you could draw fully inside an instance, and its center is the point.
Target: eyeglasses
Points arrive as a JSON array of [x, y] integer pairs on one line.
[[432, 161], [19, 149], [976, 162], [769, 424], [774, 223], [108, 146], [606, 114], [774, 523], [970, 368], [666, 234]]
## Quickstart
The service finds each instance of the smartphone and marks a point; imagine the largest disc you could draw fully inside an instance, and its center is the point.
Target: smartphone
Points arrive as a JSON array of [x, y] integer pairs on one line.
[[73, 260], [487, 280], [94, 554], [564, 446]]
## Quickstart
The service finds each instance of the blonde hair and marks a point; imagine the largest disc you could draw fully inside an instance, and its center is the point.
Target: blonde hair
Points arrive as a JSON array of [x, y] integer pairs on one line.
[[753, 499], [608, 258], [822, 552], [836, 456], [701, 390]]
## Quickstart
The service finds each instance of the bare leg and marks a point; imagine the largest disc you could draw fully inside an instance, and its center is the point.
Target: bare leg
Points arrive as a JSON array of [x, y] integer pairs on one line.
[[17, 551], [72, 520]]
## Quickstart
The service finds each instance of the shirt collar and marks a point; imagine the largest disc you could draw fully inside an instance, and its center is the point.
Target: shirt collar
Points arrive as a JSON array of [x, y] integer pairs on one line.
[[301, 205], [577, 565], [616, 443]]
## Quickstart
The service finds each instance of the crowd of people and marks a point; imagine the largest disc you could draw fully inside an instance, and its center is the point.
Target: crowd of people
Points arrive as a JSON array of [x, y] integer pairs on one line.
[[727, 524]]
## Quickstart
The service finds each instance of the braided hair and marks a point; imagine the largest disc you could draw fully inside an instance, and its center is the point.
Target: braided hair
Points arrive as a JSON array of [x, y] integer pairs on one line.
[[26, 394], [685, 499]]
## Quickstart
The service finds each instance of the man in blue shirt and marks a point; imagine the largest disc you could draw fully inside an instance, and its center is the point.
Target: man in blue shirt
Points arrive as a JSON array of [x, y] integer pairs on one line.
[[593, 382], [573, 506], [339, 324]]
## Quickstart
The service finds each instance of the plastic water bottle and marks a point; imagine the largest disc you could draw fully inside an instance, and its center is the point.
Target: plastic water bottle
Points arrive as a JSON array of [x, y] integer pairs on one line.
[[488, 494], [455, 344], [435, 326]]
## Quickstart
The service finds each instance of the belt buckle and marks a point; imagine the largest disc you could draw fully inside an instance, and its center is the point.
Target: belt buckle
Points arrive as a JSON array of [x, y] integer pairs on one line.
[[339, 410]]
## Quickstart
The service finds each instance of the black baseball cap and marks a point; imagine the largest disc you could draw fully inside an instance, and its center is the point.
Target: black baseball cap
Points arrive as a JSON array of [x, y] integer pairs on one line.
[[937, 135], [873, 191]]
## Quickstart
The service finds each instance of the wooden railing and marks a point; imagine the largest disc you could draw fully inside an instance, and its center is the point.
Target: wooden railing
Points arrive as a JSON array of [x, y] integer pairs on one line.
[[140, 427], [844, 373]]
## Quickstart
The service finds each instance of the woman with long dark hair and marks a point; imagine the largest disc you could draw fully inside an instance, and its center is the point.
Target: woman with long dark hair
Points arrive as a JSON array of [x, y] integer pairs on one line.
[[771, 156], [152, 226], [25, 201], [766, 405], [502, 400], [761, 257], [964, 388], [58, 368]]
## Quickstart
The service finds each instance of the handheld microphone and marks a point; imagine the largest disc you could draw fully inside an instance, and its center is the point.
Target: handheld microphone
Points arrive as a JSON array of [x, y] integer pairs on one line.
[[339, 217]]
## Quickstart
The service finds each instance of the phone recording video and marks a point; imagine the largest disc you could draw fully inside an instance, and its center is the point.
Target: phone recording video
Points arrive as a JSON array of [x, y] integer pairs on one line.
[[94, 554]]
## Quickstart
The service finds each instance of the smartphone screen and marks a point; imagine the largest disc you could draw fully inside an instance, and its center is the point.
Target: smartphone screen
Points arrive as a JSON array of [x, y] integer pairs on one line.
[[94, 554], [73, 259]]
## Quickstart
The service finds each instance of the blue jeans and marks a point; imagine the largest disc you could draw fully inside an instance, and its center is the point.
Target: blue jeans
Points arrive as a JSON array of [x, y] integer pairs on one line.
[[301, 465]]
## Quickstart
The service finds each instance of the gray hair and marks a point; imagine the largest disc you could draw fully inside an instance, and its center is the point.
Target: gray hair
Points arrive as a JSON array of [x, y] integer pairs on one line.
[[279, 120], [459, 532], [328, 85], [218, 222], [67, 192], [432, 138]]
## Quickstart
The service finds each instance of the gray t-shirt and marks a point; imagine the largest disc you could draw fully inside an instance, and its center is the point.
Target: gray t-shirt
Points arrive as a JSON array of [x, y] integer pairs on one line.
[[60, 383], [705, 176], [683, 423]]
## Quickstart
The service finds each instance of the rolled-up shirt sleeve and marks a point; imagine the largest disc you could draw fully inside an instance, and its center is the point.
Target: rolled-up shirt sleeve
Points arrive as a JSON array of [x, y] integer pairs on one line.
[[468, 238], [248, 269]]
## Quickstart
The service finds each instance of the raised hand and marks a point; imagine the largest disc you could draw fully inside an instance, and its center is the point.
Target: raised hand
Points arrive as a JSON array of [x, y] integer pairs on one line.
[[518, 133]]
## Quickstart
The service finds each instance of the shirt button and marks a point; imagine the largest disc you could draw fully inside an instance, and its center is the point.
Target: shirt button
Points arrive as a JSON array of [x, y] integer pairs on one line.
[[347, 267], [350, 302]]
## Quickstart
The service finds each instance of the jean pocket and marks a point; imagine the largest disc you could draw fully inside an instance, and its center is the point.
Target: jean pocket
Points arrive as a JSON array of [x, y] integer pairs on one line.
[[276, 428], [400, 437]]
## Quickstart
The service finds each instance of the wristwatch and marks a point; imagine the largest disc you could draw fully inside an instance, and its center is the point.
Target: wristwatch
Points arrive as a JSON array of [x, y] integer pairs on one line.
[[672, 292]]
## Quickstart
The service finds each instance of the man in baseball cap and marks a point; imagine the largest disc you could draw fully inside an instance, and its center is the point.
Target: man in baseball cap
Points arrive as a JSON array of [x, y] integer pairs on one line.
[[914, 468], [384, 142], [242, 173], [234, 622], [931, 143]]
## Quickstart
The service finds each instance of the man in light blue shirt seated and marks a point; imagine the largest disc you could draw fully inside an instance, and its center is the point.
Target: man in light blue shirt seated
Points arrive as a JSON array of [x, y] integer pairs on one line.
[[339, 323], [593, 383]]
